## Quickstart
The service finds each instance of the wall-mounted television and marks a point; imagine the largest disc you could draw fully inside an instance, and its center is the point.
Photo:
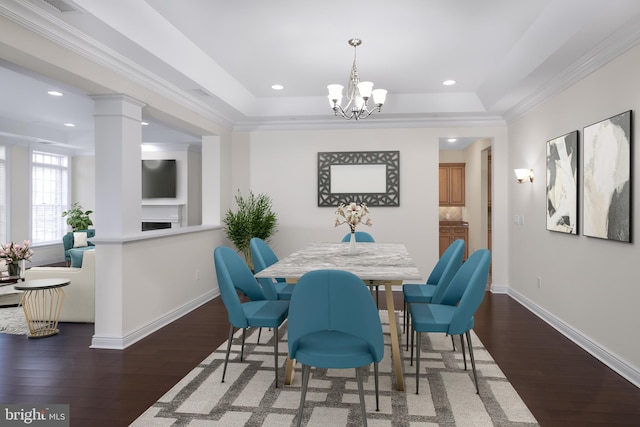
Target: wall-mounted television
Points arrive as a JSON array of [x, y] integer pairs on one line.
[[159, 179]]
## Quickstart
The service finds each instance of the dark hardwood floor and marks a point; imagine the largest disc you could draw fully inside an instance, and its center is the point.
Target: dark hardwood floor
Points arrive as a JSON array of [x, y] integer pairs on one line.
[[561, 384]]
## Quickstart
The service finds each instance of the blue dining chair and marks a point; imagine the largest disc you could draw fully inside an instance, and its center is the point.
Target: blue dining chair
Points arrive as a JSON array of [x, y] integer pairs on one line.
[[471, 281], [334, 323], [233, 274], [361, 236], [433, 289], [263, 257]]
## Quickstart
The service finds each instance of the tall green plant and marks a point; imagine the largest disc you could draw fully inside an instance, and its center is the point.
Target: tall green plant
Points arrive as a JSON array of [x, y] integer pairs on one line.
[[77, 218], [253, 218]]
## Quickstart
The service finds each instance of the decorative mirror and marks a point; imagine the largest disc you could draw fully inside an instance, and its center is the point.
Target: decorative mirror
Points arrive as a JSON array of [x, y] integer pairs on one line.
[[371, 177]]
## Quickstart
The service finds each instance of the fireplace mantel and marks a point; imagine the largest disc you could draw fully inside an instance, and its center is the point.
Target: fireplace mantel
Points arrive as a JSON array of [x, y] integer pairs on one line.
[[169, 213]]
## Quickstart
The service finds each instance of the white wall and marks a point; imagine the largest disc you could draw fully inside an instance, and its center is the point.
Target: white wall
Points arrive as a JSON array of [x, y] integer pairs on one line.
[[83, 183], [589, 286], [284, 166]]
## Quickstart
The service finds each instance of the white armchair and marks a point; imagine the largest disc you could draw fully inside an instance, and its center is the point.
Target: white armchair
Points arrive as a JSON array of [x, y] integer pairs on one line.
[[79, 299]]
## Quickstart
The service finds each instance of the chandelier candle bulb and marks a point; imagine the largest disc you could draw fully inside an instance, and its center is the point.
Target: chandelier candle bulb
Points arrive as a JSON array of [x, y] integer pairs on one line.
[[365, 89], [379, 97], [335, 93]]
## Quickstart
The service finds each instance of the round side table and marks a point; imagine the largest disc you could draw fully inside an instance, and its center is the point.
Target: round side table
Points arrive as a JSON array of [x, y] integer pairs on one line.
[[42, 301]]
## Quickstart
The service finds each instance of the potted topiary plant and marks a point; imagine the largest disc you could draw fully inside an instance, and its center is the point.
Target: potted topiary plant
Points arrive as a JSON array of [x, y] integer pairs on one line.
[[77, 217], [253, 218]]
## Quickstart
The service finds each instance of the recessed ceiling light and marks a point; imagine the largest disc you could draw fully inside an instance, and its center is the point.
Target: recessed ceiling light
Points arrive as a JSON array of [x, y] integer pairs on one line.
[[277, 87], [449, 82], [70, 125], [144, 123], [452, 140], [54, 93]]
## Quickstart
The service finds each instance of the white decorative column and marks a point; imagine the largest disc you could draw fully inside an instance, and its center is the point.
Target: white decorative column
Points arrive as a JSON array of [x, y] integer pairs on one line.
[[118, 137], [211, 179]]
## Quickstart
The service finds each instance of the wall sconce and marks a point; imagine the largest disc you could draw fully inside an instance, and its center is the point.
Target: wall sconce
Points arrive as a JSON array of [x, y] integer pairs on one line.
[[524, 174]]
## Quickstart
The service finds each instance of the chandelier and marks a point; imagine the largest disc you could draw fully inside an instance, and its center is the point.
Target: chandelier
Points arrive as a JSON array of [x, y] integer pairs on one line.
[[358, 93]]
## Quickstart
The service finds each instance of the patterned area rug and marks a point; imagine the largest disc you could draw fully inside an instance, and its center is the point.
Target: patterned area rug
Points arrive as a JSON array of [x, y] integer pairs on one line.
[[248, 397], [12, 321]]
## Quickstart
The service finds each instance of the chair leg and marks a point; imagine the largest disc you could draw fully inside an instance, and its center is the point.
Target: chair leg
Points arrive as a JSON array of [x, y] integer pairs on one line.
[[375, 369], [464, 357], [404, 318], [259, 333], [244, 335], [473, 362], [363, 409], [226, 359], [303, 391], [411, 332], [406, 321], [453, 343], [371, 287], [275, 352], [417, 360]]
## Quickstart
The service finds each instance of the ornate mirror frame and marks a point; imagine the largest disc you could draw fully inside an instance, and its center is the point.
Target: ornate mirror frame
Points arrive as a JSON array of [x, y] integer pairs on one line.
[[389, 159]]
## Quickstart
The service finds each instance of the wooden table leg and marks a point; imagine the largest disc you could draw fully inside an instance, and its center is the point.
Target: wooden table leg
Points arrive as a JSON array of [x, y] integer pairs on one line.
[[393, 331], [290, 369]]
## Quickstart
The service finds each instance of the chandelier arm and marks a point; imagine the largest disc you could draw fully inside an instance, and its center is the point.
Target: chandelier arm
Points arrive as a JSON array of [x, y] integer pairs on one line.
[[338, 109]]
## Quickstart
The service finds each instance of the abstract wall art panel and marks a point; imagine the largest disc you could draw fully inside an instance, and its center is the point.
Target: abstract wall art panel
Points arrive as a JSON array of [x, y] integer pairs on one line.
[[607, 178], [562, 184]]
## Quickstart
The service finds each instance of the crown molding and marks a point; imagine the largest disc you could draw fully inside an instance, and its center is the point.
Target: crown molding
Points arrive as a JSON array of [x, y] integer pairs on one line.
[[332, 123], [59, 32], [613, 46]]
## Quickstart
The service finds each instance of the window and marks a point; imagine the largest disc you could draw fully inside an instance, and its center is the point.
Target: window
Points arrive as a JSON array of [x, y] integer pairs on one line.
[[3, 195], [49, 196]]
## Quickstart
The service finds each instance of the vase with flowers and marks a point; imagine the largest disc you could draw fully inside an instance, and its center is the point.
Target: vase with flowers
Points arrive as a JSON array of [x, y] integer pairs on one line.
[[353, 215], [14, 255]]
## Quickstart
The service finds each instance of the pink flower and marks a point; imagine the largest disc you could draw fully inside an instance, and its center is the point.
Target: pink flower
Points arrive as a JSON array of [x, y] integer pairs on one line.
[[14, 252]]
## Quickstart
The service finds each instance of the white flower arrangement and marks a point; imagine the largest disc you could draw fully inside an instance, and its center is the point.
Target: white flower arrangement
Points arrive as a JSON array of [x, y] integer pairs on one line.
[[353, 215]]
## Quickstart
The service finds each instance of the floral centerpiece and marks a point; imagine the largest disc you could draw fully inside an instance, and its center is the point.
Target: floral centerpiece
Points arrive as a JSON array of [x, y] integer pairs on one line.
[[353, 215], [12, 253]]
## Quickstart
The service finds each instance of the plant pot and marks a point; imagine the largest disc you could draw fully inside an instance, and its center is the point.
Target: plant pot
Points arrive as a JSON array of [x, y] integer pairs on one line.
[[13, 269]]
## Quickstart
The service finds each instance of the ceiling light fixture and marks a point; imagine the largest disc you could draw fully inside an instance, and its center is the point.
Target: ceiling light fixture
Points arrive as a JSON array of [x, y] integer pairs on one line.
[[70, 125], [449, 82], [277, 87], [358, 93], [54, 93]]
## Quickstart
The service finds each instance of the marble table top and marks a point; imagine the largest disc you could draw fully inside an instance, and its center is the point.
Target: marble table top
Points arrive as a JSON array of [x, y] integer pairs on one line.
[[373, 261]]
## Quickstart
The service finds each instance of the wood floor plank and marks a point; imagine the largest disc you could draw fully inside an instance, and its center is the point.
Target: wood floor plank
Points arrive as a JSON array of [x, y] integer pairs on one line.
[[561, 383]]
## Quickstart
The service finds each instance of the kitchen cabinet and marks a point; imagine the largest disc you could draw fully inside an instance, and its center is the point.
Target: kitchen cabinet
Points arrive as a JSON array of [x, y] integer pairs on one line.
[[451, 184], [453, 230]]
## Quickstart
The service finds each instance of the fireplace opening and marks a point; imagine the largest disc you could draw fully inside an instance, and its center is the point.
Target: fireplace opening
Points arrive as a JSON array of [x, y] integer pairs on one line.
[[146, 226]]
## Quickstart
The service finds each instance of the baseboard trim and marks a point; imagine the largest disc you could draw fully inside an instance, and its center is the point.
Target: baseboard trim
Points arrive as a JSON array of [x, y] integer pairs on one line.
[[120, 343], [602, 354]]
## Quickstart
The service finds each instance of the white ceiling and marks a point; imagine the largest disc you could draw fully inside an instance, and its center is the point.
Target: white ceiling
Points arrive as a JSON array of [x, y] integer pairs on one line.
[[506, 56]]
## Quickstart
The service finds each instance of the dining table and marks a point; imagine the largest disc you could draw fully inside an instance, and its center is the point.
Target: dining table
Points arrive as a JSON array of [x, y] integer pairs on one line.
[[376, 263]]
